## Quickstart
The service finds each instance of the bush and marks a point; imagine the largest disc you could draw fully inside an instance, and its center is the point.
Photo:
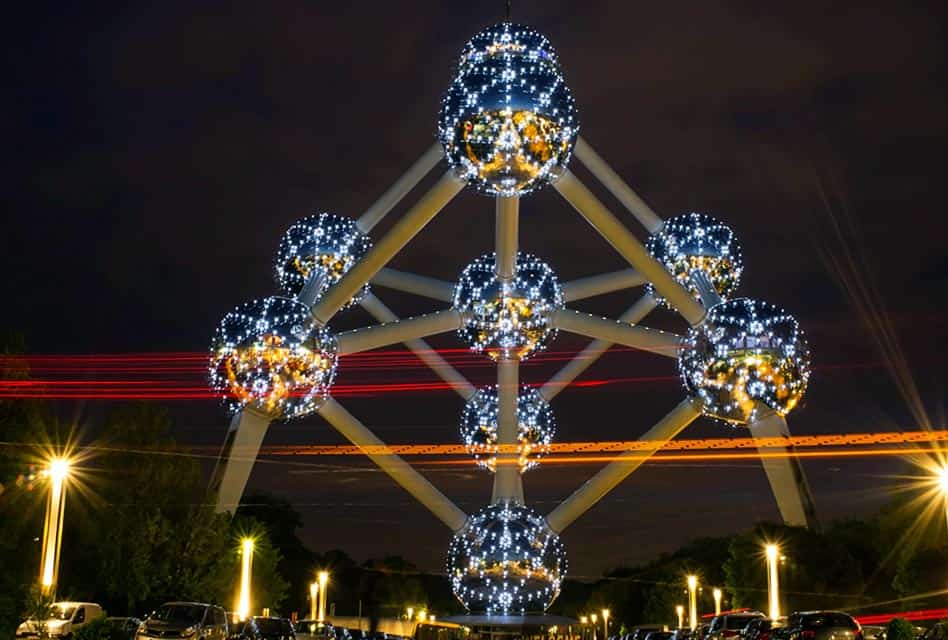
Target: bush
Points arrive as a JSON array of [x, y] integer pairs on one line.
[[98, 630], [900, 629]]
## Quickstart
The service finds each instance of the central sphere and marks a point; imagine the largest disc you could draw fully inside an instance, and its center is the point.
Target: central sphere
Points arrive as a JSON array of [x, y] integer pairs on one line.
[[696, 242], [745, 353], [506, 560], [324, 245], [269, 355], [535, 427], [508, 320], [508, 121]]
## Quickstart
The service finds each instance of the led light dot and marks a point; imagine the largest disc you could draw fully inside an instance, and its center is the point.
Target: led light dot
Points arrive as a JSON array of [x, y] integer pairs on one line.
[[697, 242], [745, 352], [271, 356], [323, 244], [508, 120], [535, 427], [507, 320], [506, 560]]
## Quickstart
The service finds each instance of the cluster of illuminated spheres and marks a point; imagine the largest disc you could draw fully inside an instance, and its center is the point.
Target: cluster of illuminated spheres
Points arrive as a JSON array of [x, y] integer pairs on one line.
[[535, 427], [323, 245], [695, 242], [269, 355], [508, 121], [507, 319], [745, 353], [506, 560]]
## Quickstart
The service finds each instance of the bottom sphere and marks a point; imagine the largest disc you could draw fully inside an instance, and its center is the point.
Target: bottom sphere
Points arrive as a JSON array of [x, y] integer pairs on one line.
[[506, 560]]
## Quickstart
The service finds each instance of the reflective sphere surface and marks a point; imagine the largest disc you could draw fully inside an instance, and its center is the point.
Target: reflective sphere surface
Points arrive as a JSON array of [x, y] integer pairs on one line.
[[746, 352], [506, 560], [270, 356], [508, 121]]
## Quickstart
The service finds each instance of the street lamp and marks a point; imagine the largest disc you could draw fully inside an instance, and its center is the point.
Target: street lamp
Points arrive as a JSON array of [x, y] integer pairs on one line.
[[243, 595], [594, 619], [605, 623], [773, 585], [58, 472], [323, 578], [680, 610], [313, 604], [410, 611], [693, 602], [717, 602], [584, 619], [422, 615]]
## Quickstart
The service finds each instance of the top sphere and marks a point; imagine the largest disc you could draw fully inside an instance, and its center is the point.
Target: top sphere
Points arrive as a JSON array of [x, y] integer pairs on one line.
[[508, 120], [323, 245], [695, 242]]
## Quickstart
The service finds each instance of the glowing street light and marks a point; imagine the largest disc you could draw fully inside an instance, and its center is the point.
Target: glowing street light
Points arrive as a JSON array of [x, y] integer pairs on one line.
[[717, 602], [680, 610], [584, 619], [605, 623], [692, 602], [243, 596], [323, 578], [594, 618], [773, 586], [313, 603], [422, 615], [410, 611], [58, 473]]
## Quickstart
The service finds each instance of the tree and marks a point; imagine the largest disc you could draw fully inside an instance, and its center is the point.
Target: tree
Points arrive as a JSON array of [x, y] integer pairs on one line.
[[900, 629]]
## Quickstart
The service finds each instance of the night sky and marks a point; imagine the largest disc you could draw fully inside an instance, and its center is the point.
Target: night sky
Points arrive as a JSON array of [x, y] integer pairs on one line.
[[155, 152]]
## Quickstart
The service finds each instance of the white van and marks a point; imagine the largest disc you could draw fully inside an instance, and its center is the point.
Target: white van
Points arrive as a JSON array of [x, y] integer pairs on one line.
[[66, 618]]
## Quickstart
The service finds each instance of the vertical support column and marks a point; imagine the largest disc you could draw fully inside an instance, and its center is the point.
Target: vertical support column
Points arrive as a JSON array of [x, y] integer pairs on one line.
[[508, 483], [786, 477], [508, 222], [247, 429]]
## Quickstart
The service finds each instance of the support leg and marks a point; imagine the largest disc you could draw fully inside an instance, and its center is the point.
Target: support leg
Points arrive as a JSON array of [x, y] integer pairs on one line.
[[247, 429], [785, 475]]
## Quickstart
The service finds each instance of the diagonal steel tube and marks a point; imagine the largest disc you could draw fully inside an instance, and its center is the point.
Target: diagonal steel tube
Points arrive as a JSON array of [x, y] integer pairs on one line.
[[610, 476], [617, 187], [585, 358], [400, 471], [414, 283], [597, 285], [382, 335], [622, 240], [380, 208], [238, 454], [385, 249], [653, 340], [422, 349]]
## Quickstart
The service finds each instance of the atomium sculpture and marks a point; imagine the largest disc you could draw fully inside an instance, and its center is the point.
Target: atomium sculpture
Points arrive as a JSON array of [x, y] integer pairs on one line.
[[506, 560], [508, 126], [536, 427]]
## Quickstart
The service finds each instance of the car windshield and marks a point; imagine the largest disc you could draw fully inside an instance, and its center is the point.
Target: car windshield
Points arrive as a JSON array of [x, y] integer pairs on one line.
[[738, 622], [62, 612], [179, 613], [815, 620]]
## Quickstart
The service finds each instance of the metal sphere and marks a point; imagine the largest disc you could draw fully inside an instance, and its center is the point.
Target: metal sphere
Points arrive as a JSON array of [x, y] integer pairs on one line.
[[508, 320], [535, 427], [745, 353], [508, 121], [269, 355], [506, 560], [697, 242], [323, 244]]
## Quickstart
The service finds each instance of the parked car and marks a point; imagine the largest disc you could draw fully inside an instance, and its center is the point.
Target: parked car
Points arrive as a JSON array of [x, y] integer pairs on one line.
[[639, 632], [124, 627], [819, 625], [730, 625], [243, 630], [761, 628], [681, 634], [659, 635], [186, 619], [67, 617], [874, 632], [315, 629], [273, 628]]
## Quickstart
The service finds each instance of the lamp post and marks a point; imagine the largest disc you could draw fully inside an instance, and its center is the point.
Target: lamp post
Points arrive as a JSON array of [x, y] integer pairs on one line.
[[58, 472], [605, 623], [717, 602], [243, 595], [313, 602], [323, 578], [773, 583], [594, 619], [411, 612], [680, 610], [692, 602]]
